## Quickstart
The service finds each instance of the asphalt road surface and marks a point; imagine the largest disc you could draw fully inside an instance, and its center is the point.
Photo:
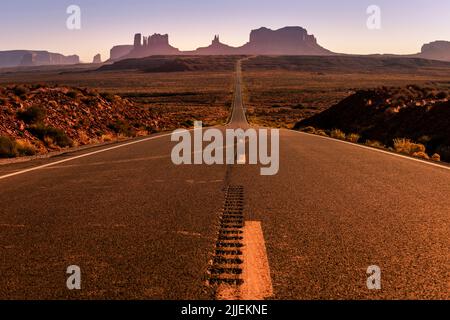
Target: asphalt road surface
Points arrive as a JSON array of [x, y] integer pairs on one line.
[[140, 227]]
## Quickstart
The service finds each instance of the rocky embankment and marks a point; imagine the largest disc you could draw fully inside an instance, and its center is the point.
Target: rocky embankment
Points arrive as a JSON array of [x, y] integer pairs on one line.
[[388, 115], [39, 119]]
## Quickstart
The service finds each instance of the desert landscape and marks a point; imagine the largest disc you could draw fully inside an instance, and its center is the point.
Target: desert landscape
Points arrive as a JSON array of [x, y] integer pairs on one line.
[[91, 106], [163, 93], [372, 100], [288, 78], [224, 155]]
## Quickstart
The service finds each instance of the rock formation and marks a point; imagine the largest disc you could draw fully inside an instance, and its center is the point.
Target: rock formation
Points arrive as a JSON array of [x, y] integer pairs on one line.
[[97, 58], [437, 50], [285, 41], [216, 48], [137, 40], [18, 58], [263, 41], [120, 51], [156, 44]]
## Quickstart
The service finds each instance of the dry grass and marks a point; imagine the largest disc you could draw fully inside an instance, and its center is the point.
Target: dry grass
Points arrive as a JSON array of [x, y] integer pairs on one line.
[[25, 148], [418, 150], [421, 155], [403, 146], [353, 137], [408, 147], [107, 137], [10, 148], [337, 134], [83, 137], [321, 132]]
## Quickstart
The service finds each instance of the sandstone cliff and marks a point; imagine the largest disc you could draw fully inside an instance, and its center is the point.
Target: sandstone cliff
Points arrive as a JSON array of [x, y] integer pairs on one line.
[[285, 41], [263, 41], [19, 58], [437, 50]]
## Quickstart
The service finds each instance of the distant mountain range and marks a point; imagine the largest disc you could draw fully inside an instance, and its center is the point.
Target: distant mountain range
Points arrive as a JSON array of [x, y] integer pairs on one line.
[[27, 58], [263, 41]]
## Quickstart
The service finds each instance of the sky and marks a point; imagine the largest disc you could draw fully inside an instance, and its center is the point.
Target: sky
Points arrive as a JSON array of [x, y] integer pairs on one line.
[[340, 26]]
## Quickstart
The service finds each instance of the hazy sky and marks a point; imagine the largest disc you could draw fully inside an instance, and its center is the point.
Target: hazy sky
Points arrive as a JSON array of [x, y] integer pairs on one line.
[[338, 25]]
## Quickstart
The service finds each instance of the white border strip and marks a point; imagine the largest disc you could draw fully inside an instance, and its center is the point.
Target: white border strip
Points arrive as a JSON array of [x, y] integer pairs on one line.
[[82, 156], [375, 149]]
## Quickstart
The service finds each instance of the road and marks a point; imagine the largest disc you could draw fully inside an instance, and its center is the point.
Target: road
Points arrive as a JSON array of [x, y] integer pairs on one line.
[[140, 227]]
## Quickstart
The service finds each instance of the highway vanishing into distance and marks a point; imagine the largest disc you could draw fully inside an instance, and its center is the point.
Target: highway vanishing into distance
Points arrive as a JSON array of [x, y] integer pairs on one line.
[[140, 227]]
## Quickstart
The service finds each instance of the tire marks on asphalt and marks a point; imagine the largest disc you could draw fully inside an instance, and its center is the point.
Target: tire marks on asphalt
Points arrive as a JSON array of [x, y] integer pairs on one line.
[[240, 267]]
